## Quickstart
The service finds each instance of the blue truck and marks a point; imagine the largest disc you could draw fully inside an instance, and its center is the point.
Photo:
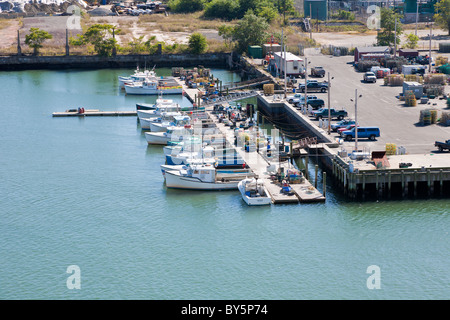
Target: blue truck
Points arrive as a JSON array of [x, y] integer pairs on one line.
[[363, 132]]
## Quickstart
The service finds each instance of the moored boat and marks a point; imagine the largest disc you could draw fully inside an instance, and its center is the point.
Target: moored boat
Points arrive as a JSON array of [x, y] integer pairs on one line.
[[254, 192], [202, 177], [154, 87]]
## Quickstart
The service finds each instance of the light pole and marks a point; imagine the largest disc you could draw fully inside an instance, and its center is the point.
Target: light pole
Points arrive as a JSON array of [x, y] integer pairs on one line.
[[306, 84], [395, 37], [417, 15], [356, 118], [429, 56], [329, 102]]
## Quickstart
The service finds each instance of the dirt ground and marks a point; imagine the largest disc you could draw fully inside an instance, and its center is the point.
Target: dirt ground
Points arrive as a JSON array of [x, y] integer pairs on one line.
[[57, 25]]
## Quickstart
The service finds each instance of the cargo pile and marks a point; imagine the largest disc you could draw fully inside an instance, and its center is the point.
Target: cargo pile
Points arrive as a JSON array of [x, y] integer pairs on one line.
[[428, 116], [394, 80], [445, 118], [269, 89], [391, 148], [414, 78], [410, 99]]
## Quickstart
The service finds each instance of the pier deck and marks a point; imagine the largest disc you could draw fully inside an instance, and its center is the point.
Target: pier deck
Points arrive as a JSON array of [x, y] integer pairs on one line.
[[94, 113], [258, 164]]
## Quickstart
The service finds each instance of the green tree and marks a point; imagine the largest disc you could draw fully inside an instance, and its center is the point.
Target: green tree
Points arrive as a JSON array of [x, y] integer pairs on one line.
[[411, 41], [284, 7], [35, 39], [186, 6], [226, 32], [100, 36], [222, 9], [250, 30], [442, 17], [386, 37], [197, 43], [137, 45], [268, 12]]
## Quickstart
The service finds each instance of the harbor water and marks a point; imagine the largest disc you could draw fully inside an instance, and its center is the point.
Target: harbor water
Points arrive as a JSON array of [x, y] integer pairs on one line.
[[88, 192]]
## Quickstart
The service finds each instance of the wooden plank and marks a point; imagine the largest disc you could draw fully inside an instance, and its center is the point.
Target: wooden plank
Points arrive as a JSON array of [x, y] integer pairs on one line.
[[307, 193], [88, 113], [276, 193]]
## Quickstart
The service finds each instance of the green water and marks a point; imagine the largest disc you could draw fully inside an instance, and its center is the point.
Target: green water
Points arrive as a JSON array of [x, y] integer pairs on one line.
[[89, 192]]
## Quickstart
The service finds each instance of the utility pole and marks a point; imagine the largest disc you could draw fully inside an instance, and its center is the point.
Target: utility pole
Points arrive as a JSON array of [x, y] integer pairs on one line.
[[356, 120], [329, 102], [285, 70], [395, 37], [306, 83], [429, 56], [417, 15]]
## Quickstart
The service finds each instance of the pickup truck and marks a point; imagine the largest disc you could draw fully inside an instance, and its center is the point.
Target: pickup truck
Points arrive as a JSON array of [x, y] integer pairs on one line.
[[370, 77], [341, 124], [314, 102], [363, 132], [318, 72], [443, 145], [299, 98], [323, 113], [314, 86]]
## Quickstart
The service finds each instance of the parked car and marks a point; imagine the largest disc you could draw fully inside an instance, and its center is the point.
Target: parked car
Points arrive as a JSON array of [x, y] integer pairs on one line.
[[318, 72], [349, 127], [314, 87], [294, 97], [323, 113], [363, 132], [301, 99], [316, 103], [443, 145], [341, 124], [370, 77]]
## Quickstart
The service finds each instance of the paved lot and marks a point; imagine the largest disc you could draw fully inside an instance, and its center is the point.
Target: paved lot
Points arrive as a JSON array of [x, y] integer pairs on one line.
[[379, 106]]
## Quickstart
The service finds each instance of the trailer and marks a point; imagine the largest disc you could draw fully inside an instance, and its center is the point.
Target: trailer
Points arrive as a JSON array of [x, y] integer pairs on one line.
[[295, 66]]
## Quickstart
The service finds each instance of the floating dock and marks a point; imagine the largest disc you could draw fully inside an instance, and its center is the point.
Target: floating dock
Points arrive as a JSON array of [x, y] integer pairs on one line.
[[94, 113]]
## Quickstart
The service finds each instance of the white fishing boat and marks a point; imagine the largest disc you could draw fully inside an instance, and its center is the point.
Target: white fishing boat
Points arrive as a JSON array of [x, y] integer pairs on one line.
[[161, 126], [184, 157], [137, 77], [149, 106], [172, 134], [202, 177], [154, 87], [253, 192], [167, 106], [165, 117]]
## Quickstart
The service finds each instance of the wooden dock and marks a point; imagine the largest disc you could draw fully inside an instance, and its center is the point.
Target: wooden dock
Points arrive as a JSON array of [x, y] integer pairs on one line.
[[94, 113], [303, 192], [307, 193]]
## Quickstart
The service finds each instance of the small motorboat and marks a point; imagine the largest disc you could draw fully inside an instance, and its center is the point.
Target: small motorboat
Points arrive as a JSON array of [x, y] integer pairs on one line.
[[253, 192]]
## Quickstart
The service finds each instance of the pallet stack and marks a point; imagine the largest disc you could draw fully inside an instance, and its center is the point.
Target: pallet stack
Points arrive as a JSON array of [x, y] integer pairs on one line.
[[410, 99], [391, 148]]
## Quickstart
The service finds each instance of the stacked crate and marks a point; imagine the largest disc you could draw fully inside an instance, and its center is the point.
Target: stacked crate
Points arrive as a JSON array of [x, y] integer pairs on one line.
[[410, 99], [391, 148]]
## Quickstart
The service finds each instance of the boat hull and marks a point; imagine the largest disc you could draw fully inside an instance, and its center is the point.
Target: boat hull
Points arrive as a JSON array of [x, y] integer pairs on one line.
[[158, 127], [151, 91], [156, 138], [175, 180], [255, 200]]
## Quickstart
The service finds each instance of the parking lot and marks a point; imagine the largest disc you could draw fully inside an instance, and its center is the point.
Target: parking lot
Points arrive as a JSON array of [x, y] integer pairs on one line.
[[378, 105]]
